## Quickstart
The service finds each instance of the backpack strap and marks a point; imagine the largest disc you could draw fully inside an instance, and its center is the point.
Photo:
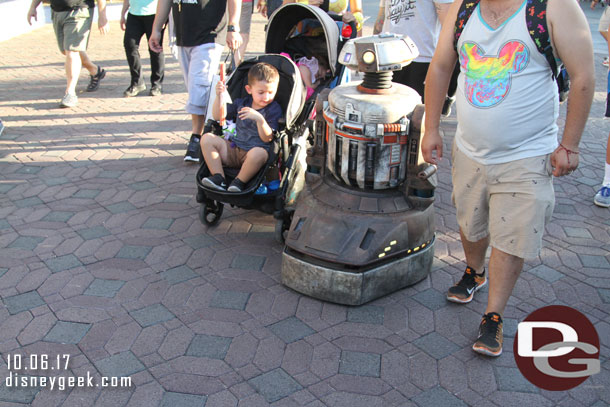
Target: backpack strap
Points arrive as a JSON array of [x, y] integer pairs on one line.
[[464, 14], [535, 18]]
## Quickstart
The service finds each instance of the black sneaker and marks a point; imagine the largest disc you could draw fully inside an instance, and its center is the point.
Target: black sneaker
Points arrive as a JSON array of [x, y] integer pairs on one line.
[[155, 90], [193, 152], [215, 181], [236, 186], [133, 90], [447, 106], [471, 282], [94, 81], [490, 337]]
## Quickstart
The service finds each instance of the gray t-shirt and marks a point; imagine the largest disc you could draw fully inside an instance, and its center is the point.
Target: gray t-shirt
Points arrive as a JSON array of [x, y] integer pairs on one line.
[[418, 20], [246, 132]]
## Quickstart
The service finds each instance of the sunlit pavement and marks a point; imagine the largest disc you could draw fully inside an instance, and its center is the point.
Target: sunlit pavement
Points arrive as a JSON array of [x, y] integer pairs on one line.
[[103, 258]]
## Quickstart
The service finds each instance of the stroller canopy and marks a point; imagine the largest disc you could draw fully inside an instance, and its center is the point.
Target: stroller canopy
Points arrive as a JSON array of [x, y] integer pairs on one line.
[[291, 90], [288, 16]]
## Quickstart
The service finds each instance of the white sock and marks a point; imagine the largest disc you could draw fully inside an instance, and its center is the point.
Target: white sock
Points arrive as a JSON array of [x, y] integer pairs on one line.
[[607, 175]]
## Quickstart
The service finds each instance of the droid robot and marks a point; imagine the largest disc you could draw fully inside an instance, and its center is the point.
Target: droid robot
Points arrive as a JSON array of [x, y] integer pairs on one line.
[[364, 226]]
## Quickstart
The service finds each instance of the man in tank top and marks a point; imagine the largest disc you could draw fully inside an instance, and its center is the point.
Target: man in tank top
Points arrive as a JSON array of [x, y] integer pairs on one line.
[[506, 147]]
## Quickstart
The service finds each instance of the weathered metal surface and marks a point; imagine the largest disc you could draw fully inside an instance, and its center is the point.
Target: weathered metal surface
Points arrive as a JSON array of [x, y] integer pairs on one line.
[[354, 288]]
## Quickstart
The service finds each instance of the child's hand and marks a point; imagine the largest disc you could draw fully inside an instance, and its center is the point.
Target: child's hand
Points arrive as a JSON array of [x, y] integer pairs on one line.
[[220, 88], [251, 114]]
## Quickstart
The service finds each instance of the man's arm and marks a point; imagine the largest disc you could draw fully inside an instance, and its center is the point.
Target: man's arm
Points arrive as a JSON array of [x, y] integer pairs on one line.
[[102, 21], [163, 7], [261, 7], [234, 39], [437, 82], [380, 18], [123, 13], [571, 39], [32, 11]]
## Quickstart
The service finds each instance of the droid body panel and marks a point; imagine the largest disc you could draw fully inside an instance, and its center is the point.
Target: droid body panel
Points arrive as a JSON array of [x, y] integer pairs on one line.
[[367, 136], [365, 225]]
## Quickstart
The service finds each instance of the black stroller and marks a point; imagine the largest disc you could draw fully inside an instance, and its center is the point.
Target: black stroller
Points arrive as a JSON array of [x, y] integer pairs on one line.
[[286, 161]]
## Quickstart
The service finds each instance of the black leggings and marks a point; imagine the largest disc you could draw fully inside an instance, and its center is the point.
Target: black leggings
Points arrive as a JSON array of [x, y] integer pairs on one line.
[[136, 27]]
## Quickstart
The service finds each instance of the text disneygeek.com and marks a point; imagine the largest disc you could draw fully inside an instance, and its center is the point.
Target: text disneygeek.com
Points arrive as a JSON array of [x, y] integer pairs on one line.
[[21, 370]]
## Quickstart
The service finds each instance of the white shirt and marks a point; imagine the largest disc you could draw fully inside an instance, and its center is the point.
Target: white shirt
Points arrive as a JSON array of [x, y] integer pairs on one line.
[[507, 101]]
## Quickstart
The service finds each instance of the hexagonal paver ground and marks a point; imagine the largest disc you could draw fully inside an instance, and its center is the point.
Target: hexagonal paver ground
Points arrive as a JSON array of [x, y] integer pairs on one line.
[[105, 263]]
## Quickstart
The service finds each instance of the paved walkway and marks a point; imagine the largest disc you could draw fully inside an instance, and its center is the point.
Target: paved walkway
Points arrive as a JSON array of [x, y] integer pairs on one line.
[[103, 258]]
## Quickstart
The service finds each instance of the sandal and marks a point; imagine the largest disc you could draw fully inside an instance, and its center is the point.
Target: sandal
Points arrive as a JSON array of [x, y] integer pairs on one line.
[[94, 82]]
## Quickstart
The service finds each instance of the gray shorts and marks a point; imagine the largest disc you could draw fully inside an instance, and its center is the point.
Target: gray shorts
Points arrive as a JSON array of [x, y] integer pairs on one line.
[[199, 64], [246, 17], [510, 202], [72, 28]]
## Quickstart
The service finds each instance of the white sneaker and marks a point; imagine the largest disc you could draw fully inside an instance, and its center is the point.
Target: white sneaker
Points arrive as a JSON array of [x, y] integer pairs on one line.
[[602, 198]]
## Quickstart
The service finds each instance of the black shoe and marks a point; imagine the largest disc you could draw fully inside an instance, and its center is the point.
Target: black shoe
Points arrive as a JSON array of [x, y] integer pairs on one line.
[[155, 91], [464, 290], [236, 186], [94, 82], [215, 181], [133, 90], [193, 152], [447, 106], [490, 337]]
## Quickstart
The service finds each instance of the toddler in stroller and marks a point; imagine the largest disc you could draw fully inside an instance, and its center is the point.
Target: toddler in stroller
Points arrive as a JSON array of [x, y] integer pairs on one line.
[[284, 171], [256, 118], [281, 165]]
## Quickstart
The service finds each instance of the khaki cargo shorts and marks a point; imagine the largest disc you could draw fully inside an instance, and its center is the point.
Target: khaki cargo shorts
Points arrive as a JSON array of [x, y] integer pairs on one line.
[[72, 28], [510, 202]]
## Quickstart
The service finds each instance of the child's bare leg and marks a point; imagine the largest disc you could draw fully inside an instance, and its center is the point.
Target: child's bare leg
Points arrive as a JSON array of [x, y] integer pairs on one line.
[[214, 151], [255, 159]]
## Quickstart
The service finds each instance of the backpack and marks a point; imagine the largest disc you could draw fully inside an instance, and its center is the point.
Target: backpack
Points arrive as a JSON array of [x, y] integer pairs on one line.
[[535, 18]]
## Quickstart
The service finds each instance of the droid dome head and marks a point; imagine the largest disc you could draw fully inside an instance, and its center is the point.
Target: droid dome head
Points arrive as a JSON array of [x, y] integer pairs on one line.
[[384, 52]]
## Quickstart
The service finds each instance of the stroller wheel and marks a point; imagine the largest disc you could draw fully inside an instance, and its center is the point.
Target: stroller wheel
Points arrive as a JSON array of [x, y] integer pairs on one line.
[[210, 213], [282, 225], [280, 230]]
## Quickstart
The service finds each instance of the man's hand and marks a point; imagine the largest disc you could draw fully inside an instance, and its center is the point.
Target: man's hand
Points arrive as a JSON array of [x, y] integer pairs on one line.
[[564, 161], [348, 17], [32, 14], [593, 3], [155, 41], [123, 22], [316, 3], [251, 114], [234, 40], [102, 23], [261, 7], [430, 143]]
